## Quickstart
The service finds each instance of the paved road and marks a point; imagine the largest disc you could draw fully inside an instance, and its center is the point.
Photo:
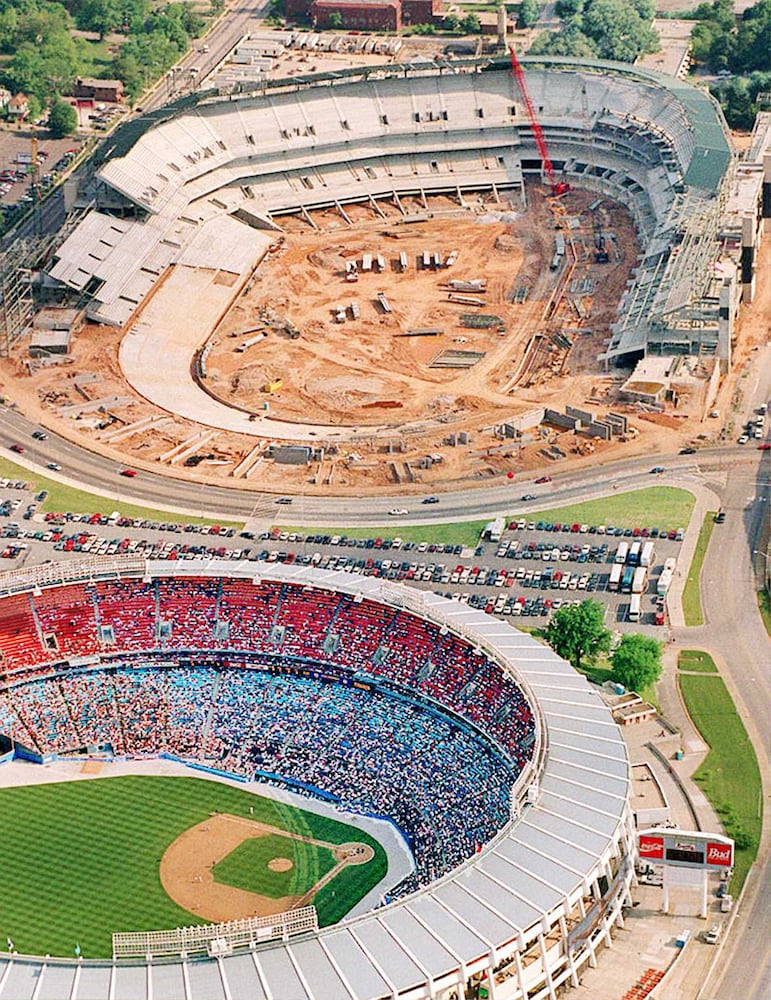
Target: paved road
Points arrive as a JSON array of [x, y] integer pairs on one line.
[[240, 19], [103, 476]]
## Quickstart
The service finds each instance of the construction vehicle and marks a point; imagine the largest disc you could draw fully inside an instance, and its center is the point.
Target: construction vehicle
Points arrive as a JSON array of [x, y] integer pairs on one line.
[[273, 386], [558, 187]]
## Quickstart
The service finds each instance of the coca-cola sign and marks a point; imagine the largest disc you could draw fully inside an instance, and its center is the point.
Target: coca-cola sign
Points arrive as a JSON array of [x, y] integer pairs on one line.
[[719, 854], [652, 848]]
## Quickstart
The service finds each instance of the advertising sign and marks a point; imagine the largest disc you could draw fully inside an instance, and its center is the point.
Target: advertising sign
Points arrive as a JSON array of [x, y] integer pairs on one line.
[[686, 849]]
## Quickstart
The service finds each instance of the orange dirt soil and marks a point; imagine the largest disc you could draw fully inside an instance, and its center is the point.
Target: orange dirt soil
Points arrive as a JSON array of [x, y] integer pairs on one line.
[[353, 372], [187, 863]]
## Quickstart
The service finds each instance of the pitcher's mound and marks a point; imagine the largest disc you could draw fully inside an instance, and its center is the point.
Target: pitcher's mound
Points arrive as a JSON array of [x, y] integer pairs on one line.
[[280, 864]]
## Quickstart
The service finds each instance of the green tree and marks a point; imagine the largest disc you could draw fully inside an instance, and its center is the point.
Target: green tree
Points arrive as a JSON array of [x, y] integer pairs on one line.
[[567, 9], [578, 631], [528, 14], [451, 22], [62, 119], [335, 19], [618, 30], [637, 662], [101, 16], [570, 42], [470, 25]]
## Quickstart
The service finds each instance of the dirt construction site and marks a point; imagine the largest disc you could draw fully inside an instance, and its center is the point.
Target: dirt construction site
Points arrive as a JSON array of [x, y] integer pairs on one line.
[[430, 328]]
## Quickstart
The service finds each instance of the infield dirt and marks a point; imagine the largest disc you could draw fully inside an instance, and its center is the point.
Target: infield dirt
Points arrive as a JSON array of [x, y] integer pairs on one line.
[[186, 869]]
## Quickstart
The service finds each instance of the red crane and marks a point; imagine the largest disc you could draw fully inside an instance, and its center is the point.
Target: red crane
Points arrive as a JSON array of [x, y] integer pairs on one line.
[[557, 187]]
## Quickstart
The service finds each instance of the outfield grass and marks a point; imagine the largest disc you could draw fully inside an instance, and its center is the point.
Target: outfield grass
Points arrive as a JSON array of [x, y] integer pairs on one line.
[[692, 593], [247, 867], [658, 506], [79, 860], [63, 498], [729, 775], [695, 662]]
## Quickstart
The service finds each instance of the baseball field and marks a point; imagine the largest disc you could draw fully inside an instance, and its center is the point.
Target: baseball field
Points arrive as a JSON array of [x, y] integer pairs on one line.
[[80, 860]]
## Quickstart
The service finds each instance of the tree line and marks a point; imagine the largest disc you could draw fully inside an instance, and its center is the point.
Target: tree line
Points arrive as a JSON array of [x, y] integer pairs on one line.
[[44, 58]]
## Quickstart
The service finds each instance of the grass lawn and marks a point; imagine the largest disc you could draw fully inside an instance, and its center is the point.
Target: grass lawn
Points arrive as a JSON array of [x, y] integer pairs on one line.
[[764, 603], [97, 59], [659, 506], [694, 661], [655, 507], [458, 533], [729, 775], [601, 671], [80, 859], [247, 867], [692, 592], [63, 498]]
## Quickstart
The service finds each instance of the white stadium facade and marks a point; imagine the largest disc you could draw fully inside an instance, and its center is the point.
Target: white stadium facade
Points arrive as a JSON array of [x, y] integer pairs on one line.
[[206, 182], [521, 917]]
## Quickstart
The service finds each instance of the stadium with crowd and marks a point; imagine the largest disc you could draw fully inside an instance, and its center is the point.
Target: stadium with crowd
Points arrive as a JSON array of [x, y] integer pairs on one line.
[[501, 772]]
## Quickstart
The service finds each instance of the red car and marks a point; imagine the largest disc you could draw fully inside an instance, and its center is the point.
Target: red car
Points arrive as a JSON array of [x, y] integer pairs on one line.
[[766, 446], [18, 448], [543, 479], [128, 472]]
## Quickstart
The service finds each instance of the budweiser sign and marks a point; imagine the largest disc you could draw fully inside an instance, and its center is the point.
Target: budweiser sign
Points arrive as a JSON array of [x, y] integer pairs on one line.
[[652, 848], [719, 854]]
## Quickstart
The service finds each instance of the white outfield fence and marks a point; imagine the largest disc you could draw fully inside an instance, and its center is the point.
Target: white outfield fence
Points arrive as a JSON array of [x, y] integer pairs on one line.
[[215, 939]]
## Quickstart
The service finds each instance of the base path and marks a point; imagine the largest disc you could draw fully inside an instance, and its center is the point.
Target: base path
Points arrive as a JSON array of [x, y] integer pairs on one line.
[[186, 869]]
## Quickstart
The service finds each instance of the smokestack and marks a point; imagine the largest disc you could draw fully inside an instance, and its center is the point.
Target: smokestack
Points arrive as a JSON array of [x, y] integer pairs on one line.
[[502, 26]]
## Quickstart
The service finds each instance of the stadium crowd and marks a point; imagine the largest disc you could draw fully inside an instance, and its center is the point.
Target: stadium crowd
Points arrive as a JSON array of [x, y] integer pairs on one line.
[[359, 702]]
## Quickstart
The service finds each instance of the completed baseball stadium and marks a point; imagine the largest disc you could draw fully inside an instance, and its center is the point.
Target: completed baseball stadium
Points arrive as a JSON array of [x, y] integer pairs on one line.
[[498, 775]]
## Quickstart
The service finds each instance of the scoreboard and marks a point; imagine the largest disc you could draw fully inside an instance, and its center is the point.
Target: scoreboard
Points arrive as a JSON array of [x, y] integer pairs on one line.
[[686, 849]]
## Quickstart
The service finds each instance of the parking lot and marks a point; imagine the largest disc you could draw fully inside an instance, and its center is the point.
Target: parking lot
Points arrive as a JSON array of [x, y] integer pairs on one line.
[[534, 569], [17, 190]]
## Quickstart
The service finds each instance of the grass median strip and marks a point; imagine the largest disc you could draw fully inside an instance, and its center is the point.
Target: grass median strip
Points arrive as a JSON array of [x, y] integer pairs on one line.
[[655, 507], [692, 593], [764, 603], [659, 506], [729, 775], [693, 661], [63, 498]]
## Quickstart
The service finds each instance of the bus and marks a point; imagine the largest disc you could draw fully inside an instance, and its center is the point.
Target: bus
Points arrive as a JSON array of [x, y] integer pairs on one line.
[[634, 608], [627, 580], [639, 580], [648, 554], [621, 553], [615, 577], [633, 559]]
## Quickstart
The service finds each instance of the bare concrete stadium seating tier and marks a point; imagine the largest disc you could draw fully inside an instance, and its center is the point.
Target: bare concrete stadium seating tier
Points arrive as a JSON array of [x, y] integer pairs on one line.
[[206, 180], [523, 915]]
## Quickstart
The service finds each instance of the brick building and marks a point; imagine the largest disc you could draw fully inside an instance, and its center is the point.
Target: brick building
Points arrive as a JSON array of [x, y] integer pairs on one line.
[[363, 15], [99, 90], [367, 15]]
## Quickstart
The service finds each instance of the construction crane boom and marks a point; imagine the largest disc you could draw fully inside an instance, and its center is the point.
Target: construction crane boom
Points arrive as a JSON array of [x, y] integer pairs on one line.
[[557, 187]]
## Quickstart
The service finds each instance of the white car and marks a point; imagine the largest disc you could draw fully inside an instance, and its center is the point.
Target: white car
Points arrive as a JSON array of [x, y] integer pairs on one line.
[[396, 511]]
